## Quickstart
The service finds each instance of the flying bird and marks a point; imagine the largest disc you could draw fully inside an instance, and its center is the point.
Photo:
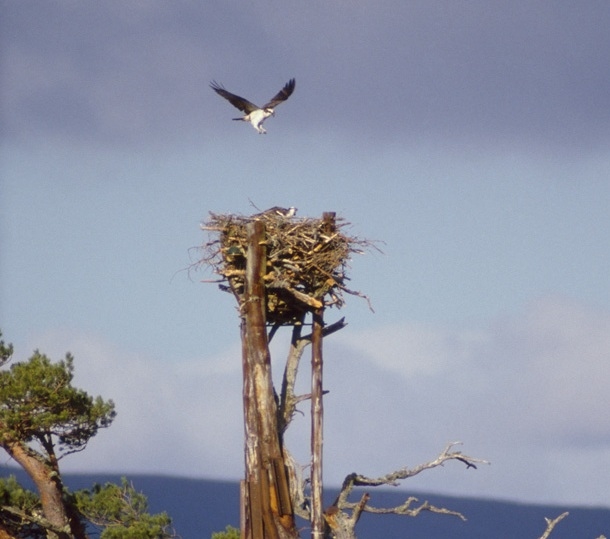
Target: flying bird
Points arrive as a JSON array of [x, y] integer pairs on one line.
[[254, 114]]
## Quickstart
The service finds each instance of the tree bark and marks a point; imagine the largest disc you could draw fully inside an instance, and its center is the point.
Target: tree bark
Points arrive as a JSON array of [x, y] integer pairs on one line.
[[5, 534], [317, 419], [50, 488], [266, 479]]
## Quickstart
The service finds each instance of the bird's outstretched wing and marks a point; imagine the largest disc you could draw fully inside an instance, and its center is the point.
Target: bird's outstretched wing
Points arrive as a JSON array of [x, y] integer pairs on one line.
[[282, 95], [239, 102]]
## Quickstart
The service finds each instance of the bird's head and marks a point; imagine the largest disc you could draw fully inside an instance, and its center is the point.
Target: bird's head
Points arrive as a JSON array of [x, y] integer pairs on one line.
[[269, 112]]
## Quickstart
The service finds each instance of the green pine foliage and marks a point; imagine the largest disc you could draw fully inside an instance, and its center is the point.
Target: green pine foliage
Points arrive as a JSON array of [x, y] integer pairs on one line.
[[40, 408], [18, 509], [122, 513], [229, 533], [13, 494], [38, 402]]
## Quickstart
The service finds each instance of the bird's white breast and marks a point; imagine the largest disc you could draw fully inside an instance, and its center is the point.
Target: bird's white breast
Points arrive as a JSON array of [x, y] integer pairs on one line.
[[258, 116]]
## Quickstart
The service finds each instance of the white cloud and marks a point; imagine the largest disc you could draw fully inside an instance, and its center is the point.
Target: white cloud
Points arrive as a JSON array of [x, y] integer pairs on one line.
[[174, 417], [527, 392], [563, 357], [527, 387], [548, 363], [415, 349]]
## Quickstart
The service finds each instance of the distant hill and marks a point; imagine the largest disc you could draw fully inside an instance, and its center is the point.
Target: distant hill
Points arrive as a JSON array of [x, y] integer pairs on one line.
[[199, 507]]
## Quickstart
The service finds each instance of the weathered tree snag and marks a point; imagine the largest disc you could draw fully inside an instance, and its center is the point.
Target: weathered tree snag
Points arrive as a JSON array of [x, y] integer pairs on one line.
[[341, 523], [252, 521], [288, 399], [266, 514], [281, 270], [317, 418]]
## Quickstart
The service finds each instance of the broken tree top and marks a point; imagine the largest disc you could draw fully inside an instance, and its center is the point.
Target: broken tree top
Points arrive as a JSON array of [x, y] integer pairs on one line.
[[306, 265]]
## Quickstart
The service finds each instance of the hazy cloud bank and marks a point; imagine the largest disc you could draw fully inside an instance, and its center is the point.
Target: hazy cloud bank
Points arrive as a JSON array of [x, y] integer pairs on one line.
[[528, 392]]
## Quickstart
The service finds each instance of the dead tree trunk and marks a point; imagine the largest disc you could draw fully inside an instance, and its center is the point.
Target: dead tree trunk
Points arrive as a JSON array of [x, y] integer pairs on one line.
[[281, 270], [317, 419], [267, 512]]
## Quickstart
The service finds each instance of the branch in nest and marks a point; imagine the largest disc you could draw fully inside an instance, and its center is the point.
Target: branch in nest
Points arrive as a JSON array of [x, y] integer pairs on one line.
[[359, 294], [300, 296]]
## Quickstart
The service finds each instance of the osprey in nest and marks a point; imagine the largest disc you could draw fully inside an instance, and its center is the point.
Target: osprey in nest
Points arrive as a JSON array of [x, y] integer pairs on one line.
[[254, 114], [278, 210]]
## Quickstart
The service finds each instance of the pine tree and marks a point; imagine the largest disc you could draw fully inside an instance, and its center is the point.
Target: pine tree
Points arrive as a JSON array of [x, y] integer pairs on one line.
[[42, 419]]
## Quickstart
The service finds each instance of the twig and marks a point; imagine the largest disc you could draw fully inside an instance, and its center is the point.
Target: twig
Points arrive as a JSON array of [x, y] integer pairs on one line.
[[550, 524]]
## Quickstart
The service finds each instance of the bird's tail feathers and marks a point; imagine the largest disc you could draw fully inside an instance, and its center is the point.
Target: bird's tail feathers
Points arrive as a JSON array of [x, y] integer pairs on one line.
[[239, 119]]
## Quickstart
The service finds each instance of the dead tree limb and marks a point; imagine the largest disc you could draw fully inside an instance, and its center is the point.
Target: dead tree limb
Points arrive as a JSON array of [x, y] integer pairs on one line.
[[317, 419], [342, 517], [288, 399], [37, 520], [550, 524], [269, 514], [280, 270]]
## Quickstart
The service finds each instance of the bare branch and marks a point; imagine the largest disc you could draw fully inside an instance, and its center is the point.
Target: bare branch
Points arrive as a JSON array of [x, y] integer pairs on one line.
[[39, 520], [550, 524], [307, 396], [406, 509], [393, 477], [330, 329], [288, 400], [341, 524]]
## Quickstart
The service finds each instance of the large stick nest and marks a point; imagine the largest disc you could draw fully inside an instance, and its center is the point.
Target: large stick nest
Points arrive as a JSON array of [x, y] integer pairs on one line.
[[307, 260]]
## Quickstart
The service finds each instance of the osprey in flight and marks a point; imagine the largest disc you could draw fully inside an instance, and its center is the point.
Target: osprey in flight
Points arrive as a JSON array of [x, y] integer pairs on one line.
[[254, 114]]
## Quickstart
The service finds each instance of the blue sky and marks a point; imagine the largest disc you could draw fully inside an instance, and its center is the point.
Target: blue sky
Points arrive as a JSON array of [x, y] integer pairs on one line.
[[472, 140]]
